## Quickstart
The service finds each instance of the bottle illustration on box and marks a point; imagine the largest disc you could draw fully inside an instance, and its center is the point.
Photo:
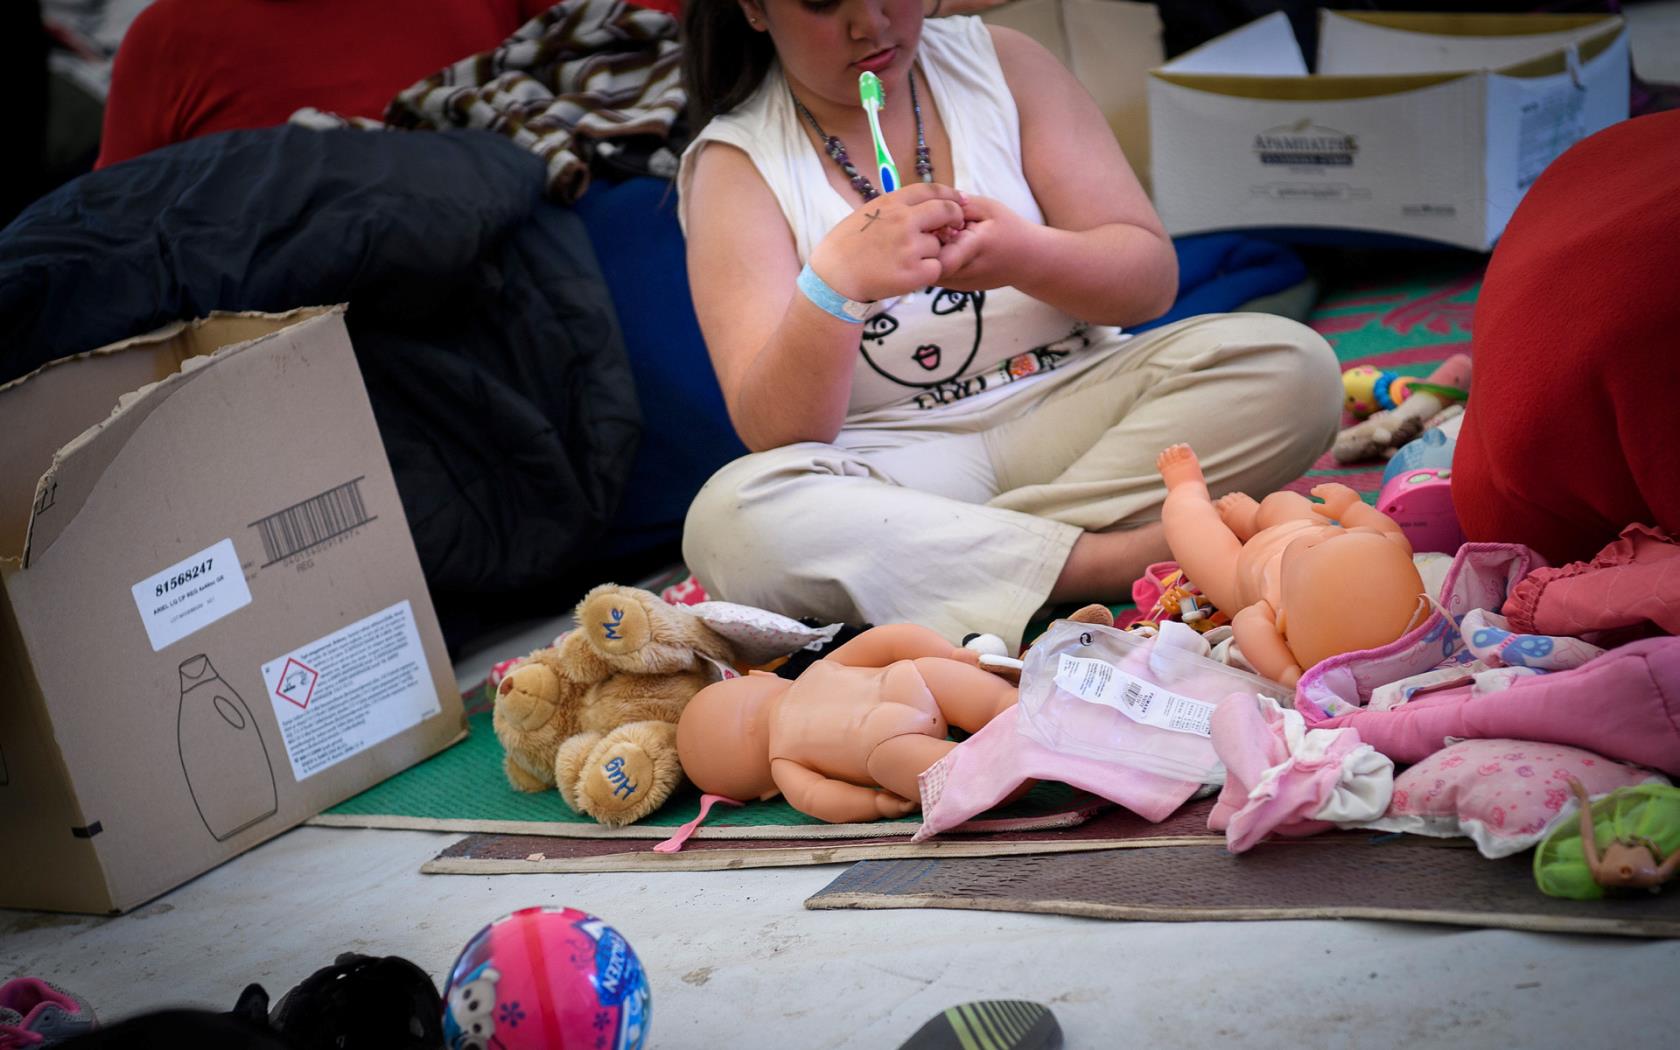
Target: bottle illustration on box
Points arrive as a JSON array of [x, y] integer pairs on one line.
[[222, 754]]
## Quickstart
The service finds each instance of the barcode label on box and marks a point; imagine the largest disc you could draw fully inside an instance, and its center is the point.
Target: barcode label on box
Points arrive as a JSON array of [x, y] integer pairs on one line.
[[313, 522], [1143, 702], [191, 594]]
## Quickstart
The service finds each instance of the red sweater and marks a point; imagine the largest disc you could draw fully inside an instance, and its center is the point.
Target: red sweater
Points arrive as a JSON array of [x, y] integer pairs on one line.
[[194, 67], [1573, 429]]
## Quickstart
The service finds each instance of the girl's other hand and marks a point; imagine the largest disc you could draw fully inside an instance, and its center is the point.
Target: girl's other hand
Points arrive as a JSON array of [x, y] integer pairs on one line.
[[981, 254], [891, 245]]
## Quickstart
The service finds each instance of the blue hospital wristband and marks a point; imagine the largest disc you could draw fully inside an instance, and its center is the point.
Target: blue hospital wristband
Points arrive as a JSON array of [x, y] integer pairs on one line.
[[832, 302]]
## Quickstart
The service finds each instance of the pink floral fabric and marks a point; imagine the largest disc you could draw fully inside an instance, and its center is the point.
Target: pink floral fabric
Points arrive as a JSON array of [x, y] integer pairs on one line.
[[1505, 794]]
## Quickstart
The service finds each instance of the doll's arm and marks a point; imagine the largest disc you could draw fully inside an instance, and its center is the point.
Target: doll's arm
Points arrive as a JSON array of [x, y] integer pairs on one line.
[[880, 646], [1589, 833], [1344, 505], [1262, 644], [833, 800]]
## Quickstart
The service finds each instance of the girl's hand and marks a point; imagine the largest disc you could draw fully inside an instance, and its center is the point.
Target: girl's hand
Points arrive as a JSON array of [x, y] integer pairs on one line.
[[985, 252], [891, 245]]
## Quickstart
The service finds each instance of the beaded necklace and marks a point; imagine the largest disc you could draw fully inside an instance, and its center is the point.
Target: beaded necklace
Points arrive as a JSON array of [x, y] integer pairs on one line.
[[837, 149]]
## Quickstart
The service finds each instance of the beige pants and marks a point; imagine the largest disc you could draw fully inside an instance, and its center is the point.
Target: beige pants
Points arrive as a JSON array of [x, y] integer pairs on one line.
[[963, 523]]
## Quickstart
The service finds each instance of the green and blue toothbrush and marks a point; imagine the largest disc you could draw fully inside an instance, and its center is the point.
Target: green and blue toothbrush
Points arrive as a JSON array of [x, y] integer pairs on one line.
[[874, 98]]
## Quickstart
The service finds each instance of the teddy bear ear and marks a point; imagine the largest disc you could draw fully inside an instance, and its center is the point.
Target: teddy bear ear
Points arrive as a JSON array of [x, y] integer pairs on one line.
[[615, 619]]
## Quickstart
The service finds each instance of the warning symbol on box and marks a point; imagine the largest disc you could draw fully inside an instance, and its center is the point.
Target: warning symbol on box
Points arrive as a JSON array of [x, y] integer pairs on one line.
[[297, 683]]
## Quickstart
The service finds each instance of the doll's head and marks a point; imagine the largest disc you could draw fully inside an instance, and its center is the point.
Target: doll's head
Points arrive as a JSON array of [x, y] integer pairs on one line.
[[723, 737], [1347, 591]]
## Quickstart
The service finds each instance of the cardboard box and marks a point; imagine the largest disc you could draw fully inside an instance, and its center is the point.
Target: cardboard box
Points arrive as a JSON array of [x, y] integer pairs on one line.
[[1423, 125], [1110, 45], [213, 623]]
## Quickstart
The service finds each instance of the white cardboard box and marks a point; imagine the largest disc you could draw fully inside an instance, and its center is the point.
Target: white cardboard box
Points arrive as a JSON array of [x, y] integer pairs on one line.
[[1110, 46], [213, 623], [1430, 126]]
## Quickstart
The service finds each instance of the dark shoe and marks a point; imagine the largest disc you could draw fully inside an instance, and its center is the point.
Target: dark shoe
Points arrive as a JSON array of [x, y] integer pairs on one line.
[[362, 1003], [994, 1024]]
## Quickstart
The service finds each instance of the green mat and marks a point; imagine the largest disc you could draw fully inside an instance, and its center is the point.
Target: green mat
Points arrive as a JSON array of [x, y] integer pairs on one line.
[[462, 788]]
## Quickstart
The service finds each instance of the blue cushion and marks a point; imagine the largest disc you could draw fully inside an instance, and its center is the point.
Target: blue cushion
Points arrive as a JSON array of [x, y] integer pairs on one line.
[[687, 434], [1218, 272]]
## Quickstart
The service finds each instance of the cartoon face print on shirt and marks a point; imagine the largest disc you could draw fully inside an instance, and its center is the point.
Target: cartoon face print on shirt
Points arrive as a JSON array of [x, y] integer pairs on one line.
[[926, 364]]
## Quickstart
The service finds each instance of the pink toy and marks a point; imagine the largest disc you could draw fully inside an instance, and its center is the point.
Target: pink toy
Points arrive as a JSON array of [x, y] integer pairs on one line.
[[546, 977], [1420, 502]]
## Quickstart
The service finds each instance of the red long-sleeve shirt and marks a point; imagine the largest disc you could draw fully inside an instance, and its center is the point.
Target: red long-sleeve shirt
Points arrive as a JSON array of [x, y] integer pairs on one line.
[[194, 67]]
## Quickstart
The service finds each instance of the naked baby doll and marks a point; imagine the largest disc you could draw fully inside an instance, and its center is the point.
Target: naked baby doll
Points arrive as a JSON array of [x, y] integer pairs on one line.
[[846, 740], [1298, 588]]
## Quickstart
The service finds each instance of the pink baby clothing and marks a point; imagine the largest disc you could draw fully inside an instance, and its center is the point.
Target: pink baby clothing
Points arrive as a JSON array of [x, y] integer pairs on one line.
[[1283, 778], [1624, 705], [983, 770], [1632, 588]]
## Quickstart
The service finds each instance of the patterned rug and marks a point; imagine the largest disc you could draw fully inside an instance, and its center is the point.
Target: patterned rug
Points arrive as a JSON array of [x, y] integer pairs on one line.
[[1409, 326]]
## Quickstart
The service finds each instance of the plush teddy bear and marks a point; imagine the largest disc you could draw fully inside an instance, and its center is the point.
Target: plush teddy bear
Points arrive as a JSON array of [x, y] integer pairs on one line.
[[596, 715]]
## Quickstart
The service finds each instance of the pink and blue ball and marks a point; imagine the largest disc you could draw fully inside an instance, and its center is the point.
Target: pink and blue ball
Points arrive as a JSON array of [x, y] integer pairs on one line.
[[554, 978]]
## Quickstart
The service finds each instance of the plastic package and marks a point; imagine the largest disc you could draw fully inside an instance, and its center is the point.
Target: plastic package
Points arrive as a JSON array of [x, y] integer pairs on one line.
[[1106, 694]]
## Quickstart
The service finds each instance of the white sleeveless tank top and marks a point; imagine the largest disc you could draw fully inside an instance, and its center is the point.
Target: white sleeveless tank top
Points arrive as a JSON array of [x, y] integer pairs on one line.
[[935, 350]]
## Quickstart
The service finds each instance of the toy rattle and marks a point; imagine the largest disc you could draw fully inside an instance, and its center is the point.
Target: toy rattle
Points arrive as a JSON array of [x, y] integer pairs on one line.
[[1370, 390]]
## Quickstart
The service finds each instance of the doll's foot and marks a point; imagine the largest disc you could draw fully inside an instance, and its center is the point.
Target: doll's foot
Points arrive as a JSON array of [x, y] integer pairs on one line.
[[1240, 512], [630, 773], [526, 699], [1093, 613], [890, 805], [1178, 466], [1337, 499]]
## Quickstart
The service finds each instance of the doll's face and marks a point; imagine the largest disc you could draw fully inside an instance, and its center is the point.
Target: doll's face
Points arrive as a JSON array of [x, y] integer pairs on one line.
[[1628, 865]]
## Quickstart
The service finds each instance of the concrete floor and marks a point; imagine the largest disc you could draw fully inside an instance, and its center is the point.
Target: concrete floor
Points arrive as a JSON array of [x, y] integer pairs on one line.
[[733, 959]]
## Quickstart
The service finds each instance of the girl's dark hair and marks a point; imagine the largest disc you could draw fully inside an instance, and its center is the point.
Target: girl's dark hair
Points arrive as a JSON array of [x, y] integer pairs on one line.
[[723, 59]]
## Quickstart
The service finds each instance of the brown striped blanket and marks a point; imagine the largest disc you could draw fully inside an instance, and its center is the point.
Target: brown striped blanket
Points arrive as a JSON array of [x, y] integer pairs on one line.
[[580, 73]]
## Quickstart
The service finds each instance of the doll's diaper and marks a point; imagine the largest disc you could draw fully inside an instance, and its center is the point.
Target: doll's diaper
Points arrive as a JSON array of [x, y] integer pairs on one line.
[[1143, 702]]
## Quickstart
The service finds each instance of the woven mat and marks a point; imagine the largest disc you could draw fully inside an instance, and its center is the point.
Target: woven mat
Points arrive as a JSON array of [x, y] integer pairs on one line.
[[1114, 828], [1403, 880]]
